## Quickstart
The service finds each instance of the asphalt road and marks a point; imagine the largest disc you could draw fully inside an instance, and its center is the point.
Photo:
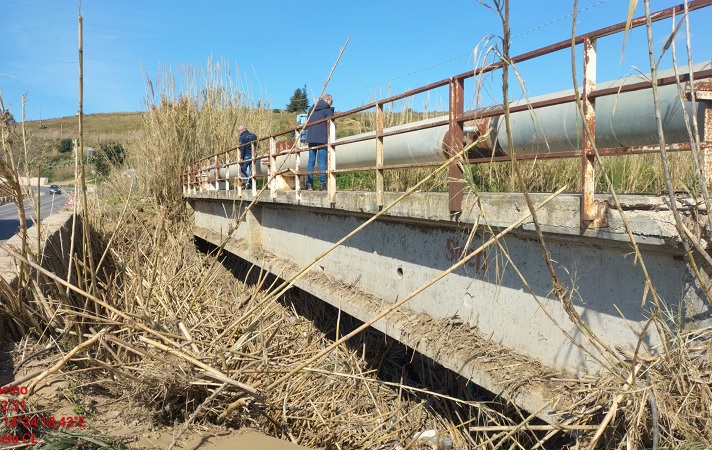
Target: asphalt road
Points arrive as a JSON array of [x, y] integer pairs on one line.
[[10, 222]]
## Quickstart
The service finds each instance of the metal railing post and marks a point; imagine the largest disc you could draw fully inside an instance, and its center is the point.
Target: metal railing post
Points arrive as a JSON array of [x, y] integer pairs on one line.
[[455, 184], [703, 93], [331, 162], [380, 184], [188, 178], [227, 170], [201, 176], [588, 179], [239, 171], [590, 214], [204, 174], [272, 167], [217, 173], [297, 147], [251, 178], [707, 144]]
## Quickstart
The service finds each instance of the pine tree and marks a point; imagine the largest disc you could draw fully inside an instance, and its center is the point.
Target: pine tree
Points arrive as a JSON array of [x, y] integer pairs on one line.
[[299, 102]]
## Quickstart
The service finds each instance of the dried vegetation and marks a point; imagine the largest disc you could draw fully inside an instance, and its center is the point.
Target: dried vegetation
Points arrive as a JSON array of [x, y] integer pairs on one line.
[[140, 314]]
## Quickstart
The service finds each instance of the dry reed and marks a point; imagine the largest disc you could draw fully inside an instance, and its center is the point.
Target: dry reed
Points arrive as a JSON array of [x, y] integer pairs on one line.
[[337, 403], [150, 326], [191, 113]]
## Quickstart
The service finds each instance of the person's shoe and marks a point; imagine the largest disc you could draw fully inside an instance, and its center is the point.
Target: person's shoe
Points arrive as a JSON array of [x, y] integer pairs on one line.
[[322, 187]]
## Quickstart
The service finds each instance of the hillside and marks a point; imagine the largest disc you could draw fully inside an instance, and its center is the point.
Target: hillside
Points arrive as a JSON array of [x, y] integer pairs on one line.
[[119, 126], [114, 123], [118, 123]]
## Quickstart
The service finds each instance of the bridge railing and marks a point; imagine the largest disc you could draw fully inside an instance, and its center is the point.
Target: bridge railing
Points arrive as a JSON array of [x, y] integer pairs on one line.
[[218, 170]]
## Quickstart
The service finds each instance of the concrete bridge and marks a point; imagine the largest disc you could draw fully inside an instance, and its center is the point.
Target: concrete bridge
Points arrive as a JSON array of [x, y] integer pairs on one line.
[[462, 277], [501, 299]]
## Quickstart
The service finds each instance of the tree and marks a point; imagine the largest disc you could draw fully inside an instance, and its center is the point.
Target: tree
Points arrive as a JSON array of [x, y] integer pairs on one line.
[[299, 102], [111, 154], [65, 145]]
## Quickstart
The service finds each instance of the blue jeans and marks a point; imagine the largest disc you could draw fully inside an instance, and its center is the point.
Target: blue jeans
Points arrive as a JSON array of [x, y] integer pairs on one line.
[[246, 169], [315, 155]]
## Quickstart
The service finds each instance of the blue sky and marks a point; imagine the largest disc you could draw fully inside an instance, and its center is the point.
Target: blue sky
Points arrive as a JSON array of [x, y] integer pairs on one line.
[[274, 47]]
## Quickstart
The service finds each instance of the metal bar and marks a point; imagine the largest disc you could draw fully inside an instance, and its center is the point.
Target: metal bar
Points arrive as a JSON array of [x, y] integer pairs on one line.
[[272, 167], [236, 179], [203, 178], [588, 139], [197, 174], [251, 178], [707, 143], [217, 173], [297, 181], [664, 81], [239, 172], [614, 151], [456, 185], [331, 163], [380, 184], [227, 170]]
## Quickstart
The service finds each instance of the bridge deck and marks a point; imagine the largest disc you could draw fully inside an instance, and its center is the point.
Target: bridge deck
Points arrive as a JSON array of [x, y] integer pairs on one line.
[[494, 320]]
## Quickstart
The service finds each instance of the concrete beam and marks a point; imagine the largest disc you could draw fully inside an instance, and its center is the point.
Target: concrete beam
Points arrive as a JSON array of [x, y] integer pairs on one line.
[[505, 293], [649, 216]]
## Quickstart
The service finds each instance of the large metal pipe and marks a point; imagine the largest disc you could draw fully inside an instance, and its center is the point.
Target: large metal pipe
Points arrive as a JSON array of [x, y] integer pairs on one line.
[[623, 120], [421, 146]]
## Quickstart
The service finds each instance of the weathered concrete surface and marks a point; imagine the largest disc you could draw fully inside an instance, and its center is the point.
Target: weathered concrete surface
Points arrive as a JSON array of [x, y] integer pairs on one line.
[[54, 231], [497, 210], [504, 294], [54, 237]]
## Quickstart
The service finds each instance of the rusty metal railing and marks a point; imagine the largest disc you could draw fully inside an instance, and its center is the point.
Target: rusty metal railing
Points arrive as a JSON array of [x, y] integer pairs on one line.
[[197, 175]]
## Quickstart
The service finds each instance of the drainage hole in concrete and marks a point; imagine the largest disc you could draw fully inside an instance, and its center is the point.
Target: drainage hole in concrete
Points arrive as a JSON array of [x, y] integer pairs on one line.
[[399, 273]]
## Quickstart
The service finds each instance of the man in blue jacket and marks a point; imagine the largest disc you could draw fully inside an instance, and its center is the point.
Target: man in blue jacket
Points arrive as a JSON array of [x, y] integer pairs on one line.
[[247, 141], [317, 137]]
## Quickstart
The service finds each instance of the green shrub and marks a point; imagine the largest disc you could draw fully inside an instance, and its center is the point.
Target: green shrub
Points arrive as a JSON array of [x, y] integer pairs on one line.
[[111, 154], [65, 145]]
